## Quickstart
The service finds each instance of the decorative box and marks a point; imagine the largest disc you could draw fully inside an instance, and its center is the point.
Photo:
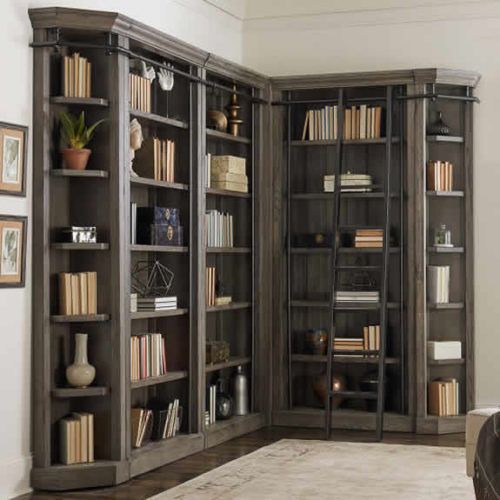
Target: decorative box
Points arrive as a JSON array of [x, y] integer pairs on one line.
[[166, 235], [226, 164], [148, 216], [217, 351], [79, 234], [437, 350]]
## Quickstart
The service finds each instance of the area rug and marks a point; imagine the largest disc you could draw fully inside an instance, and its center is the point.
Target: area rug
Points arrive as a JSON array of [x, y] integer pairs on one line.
[[299, 469]]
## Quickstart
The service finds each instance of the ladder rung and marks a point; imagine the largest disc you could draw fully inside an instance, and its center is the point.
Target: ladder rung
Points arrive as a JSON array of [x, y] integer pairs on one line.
[[360, 267], [355, 394], [353, 227]]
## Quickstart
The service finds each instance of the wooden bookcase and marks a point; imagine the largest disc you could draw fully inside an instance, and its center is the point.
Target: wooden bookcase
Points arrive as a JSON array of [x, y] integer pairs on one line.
[[102, 195]]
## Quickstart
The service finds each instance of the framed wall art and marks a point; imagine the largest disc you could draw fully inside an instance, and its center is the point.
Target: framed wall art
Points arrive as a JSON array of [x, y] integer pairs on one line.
[[13, 158], [12, 251]]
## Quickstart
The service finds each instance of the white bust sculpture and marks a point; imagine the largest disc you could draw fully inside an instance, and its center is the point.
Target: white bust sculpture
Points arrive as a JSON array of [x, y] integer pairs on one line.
[[136, 139]]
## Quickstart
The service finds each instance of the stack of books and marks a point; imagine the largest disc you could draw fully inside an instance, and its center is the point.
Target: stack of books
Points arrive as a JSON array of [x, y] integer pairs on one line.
[[226, 172], [444, 349], [76, 438], [363, 122], [439, 176], [343, 296], [371, 337], [438, 284], [444, 397], [148, 356], [157, 303], [139, 93], [76, 76], [156, 159], [210, 280], [369, 238], [77, 293], [219, 229], [349, 183], [211, 399], [141, 426], [348, 344], [167, 422]]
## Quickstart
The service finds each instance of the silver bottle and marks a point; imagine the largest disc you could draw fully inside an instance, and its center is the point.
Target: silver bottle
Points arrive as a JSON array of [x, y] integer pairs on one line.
[[240, 392]]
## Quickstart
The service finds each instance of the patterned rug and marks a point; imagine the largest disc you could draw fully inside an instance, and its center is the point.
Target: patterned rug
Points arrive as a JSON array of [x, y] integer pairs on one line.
[[300, 469]]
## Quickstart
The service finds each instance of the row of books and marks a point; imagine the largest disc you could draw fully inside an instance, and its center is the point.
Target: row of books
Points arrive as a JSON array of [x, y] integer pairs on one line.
[[349, 183], [360, 122], [369, 238], [76, 438], [139, 93], [157, 303], [76, 76], [438, 284], [226, 172], [78, 293], [210, 415], [219, 229], [148, 356], [371, 337], [210, 281], [369, 342], [141, 426], [444, 397], [342, 296], [156, 159], [439, 175]]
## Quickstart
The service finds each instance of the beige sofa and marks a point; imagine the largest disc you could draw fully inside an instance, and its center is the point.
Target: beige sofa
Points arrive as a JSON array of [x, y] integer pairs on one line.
[[474, 421]]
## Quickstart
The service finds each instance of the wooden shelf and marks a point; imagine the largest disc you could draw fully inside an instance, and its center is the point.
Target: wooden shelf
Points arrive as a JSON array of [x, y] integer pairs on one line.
[[445, 249], [345, 250], [215, 134], [317, 358], [444, 138], [233, 361], [84, 392], [223, 430], [229, 307], [445, 194], [144, 181], [447, 306], [432, 424], [329, 196], [237, 250], [351, 306], [158, 314], [226, 192], [169, 377], [158, 248], [78, 318], [80, 246], [79, 101], [162, 120], [445, 362], [381, 140], [66, 172]]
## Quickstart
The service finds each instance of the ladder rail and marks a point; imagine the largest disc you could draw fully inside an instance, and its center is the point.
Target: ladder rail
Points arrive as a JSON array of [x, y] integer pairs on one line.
[[288, 256]]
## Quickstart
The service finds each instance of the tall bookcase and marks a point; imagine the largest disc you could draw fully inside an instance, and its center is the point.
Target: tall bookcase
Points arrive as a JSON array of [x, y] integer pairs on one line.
[[101, 196]]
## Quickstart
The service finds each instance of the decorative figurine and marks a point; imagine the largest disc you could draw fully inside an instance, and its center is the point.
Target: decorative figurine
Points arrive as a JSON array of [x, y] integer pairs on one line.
[[442, 237], [234, 119], [166, 78], [136, 140], [217, 120], [147, 72], [439, 127], [221, 298], [80, 373], [159, 279]]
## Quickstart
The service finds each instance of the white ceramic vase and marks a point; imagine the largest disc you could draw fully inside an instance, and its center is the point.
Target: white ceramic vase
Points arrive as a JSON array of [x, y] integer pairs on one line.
[[80, 373]]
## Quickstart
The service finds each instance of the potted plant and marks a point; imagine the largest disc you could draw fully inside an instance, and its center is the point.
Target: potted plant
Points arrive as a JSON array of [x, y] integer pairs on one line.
[[76, 135]]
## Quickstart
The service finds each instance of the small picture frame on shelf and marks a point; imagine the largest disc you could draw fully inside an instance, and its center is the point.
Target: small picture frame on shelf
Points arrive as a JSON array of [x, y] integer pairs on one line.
[[12, 251], [13, 157]]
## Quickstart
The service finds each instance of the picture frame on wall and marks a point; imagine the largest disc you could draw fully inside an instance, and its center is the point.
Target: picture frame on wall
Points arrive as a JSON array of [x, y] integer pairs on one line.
[[12, 251], [13, 158]]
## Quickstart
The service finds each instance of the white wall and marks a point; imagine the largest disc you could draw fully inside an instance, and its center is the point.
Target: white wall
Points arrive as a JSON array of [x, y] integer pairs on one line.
[[195, 21], [281, 38]]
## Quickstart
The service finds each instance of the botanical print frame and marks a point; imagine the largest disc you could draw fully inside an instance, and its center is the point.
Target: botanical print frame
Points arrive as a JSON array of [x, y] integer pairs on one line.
[[12, 251], [13, 157]]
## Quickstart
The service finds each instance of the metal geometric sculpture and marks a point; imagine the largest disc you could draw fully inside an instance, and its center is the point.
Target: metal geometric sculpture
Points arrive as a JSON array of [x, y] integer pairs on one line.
[[158, 282]]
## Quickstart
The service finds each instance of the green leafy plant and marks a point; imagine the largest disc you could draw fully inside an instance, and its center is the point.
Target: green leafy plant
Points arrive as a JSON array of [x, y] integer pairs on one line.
[[74, 132]]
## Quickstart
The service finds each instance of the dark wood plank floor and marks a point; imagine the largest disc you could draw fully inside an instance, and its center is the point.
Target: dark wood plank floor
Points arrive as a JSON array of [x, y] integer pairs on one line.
[[171, 475]]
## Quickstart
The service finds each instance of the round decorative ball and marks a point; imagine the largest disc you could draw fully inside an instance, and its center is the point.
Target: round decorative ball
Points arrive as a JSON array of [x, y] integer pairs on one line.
[[223, 406], [217, 119], [316, 341], [339, 383]]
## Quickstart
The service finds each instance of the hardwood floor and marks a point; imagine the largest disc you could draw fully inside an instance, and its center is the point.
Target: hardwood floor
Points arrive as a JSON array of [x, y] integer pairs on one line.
[[151, 483]]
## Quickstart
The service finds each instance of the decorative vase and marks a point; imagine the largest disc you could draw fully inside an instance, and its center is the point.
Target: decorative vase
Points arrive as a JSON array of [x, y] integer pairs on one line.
[[439, 127], [316, 341], [223, 402], [76, 159], [320, 388], [234, 114], [217, 119], [80, 373], [240, 385]]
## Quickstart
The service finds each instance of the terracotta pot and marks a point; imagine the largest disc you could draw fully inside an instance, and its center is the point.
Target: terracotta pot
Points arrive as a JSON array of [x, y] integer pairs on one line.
[[76, 159], [338, 384]]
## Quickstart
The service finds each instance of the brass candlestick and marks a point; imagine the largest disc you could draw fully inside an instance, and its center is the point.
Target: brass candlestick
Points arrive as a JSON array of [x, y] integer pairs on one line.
[[233, 110]]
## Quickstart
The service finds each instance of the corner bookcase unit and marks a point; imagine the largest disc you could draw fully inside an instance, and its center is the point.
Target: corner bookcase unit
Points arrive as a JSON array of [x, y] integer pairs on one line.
[[101, 195], [302, 271]]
